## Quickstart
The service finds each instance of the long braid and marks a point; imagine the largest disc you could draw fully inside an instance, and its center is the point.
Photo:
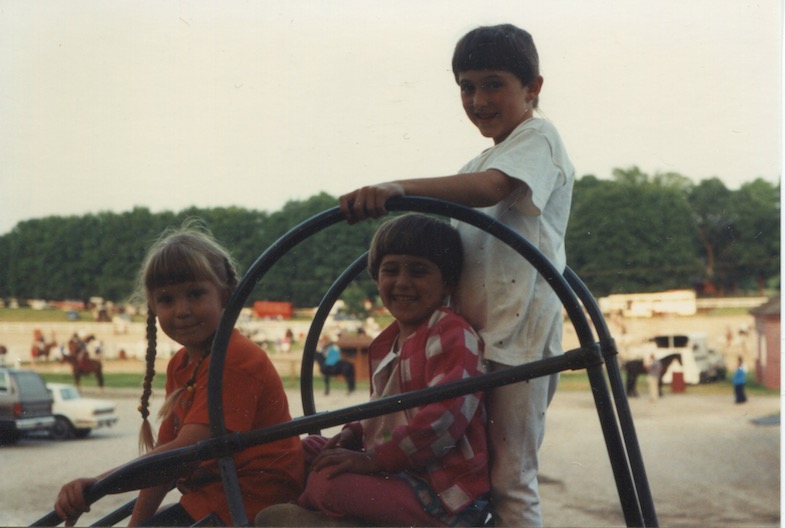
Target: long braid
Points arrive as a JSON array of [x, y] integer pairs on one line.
[[231, 276], [146, 438]]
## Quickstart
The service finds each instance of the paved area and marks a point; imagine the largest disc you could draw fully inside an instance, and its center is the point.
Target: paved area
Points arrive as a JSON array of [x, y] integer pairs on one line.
[[709, 463]]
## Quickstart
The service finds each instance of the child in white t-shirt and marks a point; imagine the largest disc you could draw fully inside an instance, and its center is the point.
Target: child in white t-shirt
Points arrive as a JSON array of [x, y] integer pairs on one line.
[[525, 181]]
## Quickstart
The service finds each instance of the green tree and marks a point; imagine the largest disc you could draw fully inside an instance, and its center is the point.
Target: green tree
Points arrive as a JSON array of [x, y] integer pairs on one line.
[[739, 233], [631, 234], [711, 205], [305, 273], [754, 253]]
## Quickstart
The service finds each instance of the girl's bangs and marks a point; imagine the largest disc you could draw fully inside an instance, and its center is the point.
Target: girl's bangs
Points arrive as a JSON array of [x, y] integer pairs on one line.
[[176, 264]]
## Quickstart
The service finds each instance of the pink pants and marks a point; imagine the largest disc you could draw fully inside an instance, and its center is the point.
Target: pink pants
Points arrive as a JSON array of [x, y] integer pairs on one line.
[[377, 499]]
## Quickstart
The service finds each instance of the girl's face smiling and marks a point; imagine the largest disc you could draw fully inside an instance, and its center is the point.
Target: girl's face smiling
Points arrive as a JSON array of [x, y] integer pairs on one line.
[[411, 288], [189, 313], [497, 101]]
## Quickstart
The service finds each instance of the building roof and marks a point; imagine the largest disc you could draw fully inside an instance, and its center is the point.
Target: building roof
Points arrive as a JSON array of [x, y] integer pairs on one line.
[[772, 307]]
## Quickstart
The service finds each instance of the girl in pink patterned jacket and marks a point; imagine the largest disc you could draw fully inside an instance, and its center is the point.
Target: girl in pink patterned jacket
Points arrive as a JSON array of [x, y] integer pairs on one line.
[[426, 466]]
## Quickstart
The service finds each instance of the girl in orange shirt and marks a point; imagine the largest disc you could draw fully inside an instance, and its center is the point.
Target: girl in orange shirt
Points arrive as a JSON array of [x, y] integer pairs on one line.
[[187, 279]]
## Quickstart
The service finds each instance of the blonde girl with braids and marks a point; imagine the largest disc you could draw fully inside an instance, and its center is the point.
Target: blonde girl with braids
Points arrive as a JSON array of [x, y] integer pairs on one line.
[[187, 279]]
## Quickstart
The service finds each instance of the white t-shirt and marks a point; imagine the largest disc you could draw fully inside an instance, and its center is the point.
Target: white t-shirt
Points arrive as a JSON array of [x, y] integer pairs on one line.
[[503, 296]]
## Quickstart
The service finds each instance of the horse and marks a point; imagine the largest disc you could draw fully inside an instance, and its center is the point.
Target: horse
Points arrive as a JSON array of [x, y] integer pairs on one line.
[[42, 350], [80, 360], [635, 368], [342, 368]]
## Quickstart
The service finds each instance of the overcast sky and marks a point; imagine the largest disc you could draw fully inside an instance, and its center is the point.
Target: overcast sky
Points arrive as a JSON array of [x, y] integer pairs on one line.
[[106, 104]]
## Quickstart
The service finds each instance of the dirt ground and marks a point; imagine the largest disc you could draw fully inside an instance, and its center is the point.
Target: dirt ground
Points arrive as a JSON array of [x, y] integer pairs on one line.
[[709, 462]]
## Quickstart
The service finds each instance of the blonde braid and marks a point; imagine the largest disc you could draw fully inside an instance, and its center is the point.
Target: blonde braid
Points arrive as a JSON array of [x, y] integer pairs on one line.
[[231, 276], [146, 437]]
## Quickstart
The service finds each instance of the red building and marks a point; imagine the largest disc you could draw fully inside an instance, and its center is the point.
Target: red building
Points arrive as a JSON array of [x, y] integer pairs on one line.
[[273, 310], [767, 360]]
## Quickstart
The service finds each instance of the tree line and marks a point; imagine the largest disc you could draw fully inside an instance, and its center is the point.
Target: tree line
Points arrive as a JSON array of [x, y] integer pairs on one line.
[[631, 233]]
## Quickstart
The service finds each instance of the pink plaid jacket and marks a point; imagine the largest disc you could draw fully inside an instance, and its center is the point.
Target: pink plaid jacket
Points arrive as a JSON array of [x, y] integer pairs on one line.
[[443, 443]]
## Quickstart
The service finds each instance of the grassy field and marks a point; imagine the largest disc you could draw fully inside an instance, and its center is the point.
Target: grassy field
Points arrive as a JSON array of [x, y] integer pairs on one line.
[[134, 381], [571, 381], [28, 315]]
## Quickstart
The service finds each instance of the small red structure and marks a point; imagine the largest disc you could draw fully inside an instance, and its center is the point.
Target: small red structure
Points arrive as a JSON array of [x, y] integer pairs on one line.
[[767, 360], [273, 309]]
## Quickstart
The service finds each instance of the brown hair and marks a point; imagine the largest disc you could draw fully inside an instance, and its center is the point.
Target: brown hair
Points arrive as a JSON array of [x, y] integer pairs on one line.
[[422, 236], [187, 253], [503, 47]]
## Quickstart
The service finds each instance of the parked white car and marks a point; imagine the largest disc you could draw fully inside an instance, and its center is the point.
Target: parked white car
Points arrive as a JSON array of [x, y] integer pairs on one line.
[[76, 416]]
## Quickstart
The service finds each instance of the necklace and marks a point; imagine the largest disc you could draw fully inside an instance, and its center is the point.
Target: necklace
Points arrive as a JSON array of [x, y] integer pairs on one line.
[[189, 386]]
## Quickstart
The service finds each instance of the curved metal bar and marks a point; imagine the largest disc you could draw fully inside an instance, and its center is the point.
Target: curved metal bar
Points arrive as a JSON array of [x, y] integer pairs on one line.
[[424, 205], [555, 279], [610, 353], [222, 445], [235, 304], [528, 251], [330, 217], [312, 340], [143, 472], [221, 342], [621, 470], [118, 515], [624, 480]]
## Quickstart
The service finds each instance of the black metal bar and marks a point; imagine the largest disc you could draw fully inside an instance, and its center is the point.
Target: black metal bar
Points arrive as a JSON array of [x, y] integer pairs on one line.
[[312, 340], [589, 356], [333, 216], [232, 490], [615, 447], [519, 244], [118, 515], [140, 473], [236, 302], [610, 353], [221, 342]]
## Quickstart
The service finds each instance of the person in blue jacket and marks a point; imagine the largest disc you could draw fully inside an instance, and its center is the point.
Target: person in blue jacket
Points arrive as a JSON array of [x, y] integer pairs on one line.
[[739, 381]]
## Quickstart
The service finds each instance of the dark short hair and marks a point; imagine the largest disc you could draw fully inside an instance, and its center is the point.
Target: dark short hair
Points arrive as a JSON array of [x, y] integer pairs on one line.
[[504, 47], [422, 236]]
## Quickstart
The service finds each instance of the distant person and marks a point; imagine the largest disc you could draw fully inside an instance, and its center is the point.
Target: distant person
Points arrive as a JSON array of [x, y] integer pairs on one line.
[[426, 466], [332, 364], [654, 372], [187, 279], [286, 342], [740, 381], [524, 181]]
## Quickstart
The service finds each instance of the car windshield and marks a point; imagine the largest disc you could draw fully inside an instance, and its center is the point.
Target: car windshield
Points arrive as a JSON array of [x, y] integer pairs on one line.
[[69, 393]]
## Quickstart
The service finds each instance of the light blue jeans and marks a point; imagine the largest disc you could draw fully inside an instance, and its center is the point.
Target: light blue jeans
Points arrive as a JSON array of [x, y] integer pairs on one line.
[[516, 426]]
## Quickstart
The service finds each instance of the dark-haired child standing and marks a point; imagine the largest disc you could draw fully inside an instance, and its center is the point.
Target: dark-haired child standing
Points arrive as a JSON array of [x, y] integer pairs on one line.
[[524, 180]]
